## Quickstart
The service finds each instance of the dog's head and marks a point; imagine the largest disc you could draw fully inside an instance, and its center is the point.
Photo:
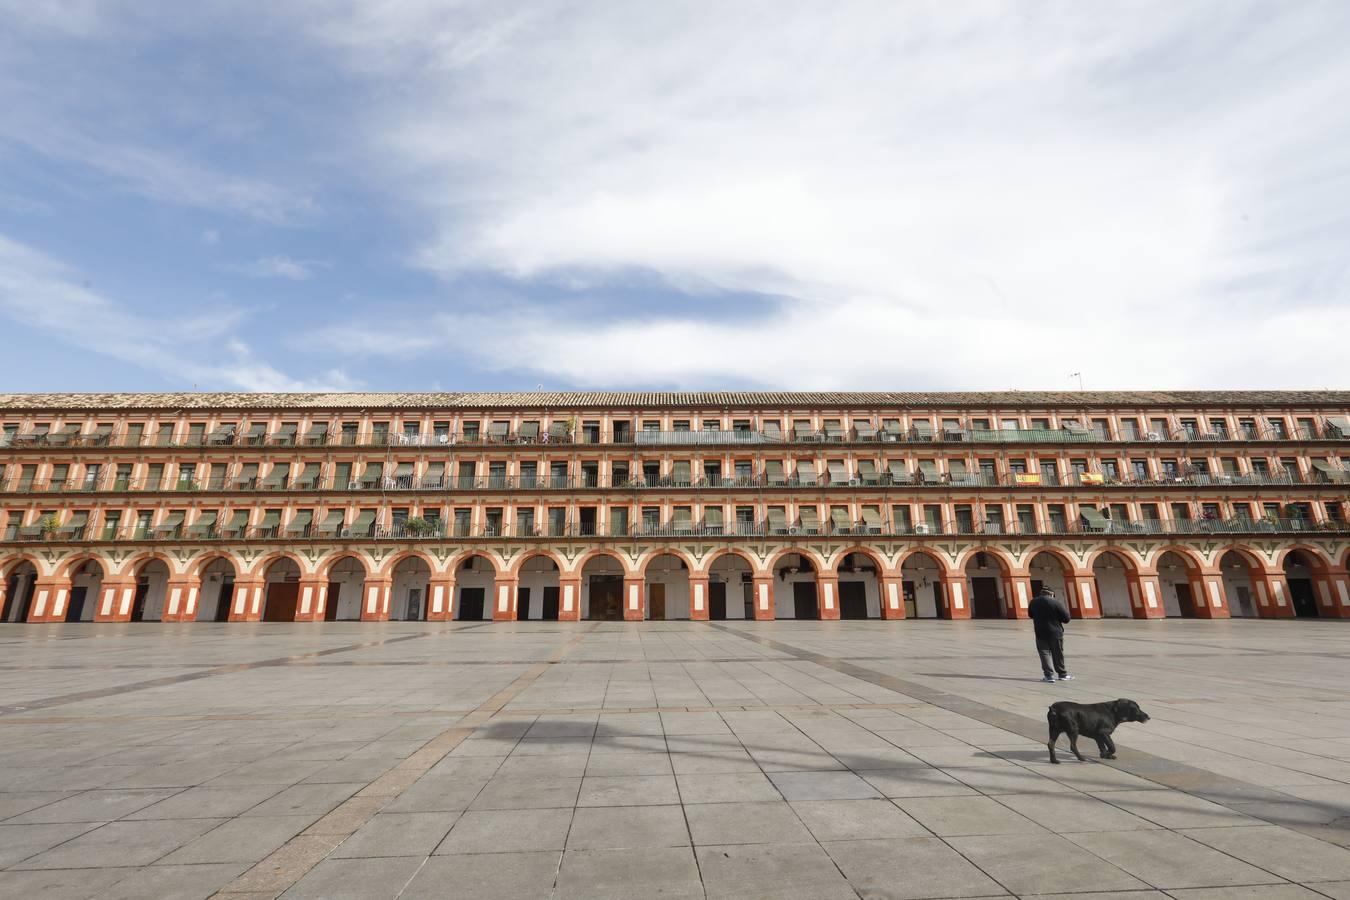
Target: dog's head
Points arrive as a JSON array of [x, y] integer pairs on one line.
[[1128, 711]]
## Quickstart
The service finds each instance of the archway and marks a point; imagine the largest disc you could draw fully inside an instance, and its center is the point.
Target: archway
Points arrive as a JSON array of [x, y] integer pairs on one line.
[[730, 588], [1111, 571], [19, 591], [282, 590], [602, 588], [921, 584], [152, 583], [988, 578], [859, 586], [86, 584], [1299, 568], [795, 594], [1176, 573], [411, 584], [346, 583], [537, 590], [475, 586], [1237, 571], [217, 589], [1049, 570], [666, 582]]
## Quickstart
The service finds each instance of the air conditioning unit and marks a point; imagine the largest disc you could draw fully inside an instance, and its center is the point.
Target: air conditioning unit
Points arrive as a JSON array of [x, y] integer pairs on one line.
[[1154, 436], [921, 529], [793, 529], [854, 482]]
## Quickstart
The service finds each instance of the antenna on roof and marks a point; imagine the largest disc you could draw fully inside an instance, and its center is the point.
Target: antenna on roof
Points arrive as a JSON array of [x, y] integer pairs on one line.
[[1079, 376]]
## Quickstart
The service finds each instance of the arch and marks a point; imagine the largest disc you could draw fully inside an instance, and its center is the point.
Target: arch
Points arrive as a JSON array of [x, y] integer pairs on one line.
[[534, 553], [325, 565], [724, 552], [772, 563], [1239, 569], [67, 567], [647, 558], [987, 575], [730, 592], [1303, 567], [198, 565], [20, 579], [387, 570], [1066, 562], [667, 586], [859, 589], [133, 565], [1114, 575], [459, 559], [1317, 560], [921, 582], [345, 574], [86, 586], [586, 558], [263, 563], [1004, 560], [216, 586], [942, 564], [152, 575], [281, 588], [796, 593], [603, 574], [1180, 585], [11, 563], [872, 554], [475, 585], [1056, 572], [1193, 562], [1126, 558], [409, 585]]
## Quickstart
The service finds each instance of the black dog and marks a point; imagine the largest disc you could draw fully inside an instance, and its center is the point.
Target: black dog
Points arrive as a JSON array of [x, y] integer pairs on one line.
[[1094, 720]]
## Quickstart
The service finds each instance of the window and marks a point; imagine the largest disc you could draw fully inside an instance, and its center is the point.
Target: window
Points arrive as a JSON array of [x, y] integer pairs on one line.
[[1040, 424], [1181, 512], [349, 434], [529, 473], [1129, 429], [618, 520], [1190, 429], [1278, 429], [1218, 428], [1260, 467], [1247, 428], [493, 520], [1149, 512], [380, 432], [681, 426], [1110, 470], [712, 471], [471, 430], [1102, 429], [463, 521], [1139, 469], [112, 520], [651, 518], [1057, 518], [965, 519], [979, 424], [1307, 429], [1120, 512], [1157, 429], [525, 522], [441, 430], [745, 520], [1026, 518], [900, 518]]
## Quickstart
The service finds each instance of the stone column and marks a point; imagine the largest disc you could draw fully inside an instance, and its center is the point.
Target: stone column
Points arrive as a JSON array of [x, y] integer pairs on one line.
[[116, 595], [504, 598], [763, 597], [569, 598], [1338, 591], [441, 598], [955, 597], [1210, 598], [180, 598], [50, 596], [375, 599], [892, 590], [698, 598], [634, 598], [1087, 604], [1272, 595], [1324, 590], [1019, 596], [310, 601], [247, 604], [1146, 596], [827, 595]]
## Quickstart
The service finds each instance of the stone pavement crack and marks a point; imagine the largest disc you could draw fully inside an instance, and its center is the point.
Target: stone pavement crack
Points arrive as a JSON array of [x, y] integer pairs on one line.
[[294, 859], [1232, 793], [227, 669]]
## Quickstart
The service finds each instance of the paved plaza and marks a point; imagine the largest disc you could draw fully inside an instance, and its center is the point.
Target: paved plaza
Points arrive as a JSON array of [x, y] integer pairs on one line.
[[771, 759]]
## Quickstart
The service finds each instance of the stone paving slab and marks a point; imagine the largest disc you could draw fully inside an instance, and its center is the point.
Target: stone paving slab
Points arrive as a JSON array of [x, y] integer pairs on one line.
[[812, 760]]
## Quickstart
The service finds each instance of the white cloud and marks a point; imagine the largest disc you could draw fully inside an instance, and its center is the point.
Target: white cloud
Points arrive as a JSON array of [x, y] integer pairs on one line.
[[279, 267], [39, 292], [970, 195]]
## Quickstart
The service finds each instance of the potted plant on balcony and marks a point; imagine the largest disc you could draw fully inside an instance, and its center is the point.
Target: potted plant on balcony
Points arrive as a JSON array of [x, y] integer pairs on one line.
[[418, 526], [48, 525]]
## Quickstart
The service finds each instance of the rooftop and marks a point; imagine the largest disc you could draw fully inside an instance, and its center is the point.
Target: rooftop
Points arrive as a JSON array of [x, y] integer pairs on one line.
[[668, 399]]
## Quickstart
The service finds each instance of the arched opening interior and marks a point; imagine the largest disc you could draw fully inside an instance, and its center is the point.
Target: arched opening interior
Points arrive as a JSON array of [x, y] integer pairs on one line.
[[1174, 580], [731, 588], [859, 587], [152, 583], [1048, 570], [537, 591], [86, 584], [475, 583], [1236, 569], [408, 594], [602, 589], [216, 591], [1298, 573], [19, 586], [281, 591], [346, 581], [667, 587], [794, 588], [921, 585], [988, 584], [1111, 574]]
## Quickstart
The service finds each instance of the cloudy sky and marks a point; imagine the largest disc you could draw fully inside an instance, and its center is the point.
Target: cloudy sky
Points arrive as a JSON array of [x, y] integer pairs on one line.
[[422, 194]]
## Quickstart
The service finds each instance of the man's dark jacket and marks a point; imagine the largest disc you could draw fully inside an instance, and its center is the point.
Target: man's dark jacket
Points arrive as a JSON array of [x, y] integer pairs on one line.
[[1049, 614]]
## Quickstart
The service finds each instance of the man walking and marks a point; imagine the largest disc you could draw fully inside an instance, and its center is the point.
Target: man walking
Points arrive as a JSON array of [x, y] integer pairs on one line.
[[1049, 613]]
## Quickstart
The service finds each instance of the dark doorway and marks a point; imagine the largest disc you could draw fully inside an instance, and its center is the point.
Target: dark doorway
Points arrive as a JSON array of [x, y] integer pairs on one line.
[[804, 600], [550, 610], [18, 596], [76, 607], [471, 603], [522, 603], [984, 601], [330, 610], [1036, 585], [656, 597], [281, 600], [1185, 602], [606, 598], [1301, 595], [717, 600], [852, 600], [226, 598], [138, 605], [412, 610]]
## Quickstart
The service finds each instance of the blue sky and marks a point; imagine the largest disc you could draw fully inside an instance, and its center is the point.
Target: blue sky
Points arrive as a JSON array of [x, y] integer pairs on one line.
[[415, 195]]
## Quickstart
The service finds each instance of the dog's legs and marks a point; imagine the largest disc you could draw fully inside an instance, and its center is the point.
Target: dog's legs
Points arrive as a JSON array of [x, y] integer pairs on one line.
[[1073, 744], [1054, 736], [1110, 752]]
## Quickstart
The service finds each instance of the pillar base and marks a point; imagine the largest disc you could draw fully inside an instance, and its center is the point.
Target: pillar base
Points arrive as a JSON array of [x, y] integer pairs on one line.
[[634, 599], [569, 599], [313, 598], [247, 603], [1019, 597], [375, 599], [115, 598], [1272, 596], [504, 599], [698, 599], [763, 598], [180, 598], [50, 596], [955, 597], [441, 600], [1146, 600], [827, 596], [1085, 604], [892, 597]]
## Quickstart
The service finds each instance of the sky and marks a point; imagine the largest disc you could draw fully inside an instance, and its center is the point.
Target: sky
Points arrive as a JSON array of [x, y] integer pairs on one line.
[[416, 195]]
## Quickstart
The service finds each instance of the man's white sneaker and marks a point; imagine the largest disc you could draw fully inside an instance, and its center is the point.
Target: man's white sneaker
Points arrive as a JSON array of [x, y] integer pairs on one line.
[[1049, 679], [1066, 677]]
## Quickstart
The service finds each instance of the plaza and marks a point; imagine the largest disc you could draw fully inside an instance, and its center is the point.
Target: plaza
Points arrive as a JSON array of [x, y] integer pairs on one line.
[[682, 759]]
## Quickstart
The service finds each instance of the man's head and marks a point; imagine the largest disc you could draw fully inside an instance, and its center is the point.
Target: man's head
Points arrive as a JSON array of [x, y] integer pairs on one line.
[[1048, 591]]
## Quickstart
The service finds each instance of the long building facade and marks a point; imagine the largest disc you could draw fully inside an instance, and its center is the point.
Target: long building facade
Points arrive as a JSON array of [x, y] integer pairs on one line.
[[570, 506]]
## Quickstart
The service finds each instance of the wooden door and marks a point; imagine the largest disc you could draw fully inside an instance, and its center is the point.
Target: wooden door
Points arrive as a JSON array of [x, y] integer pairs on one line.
[[522, 604], [656, 598], [330, 609], [550, 610], [76, 607], [226, 598], [852, 600], [282, 597], [984, 602], [1185, 601], [471, 604], [606, 603], [1302, 597], [804, 600], [717, 600], [911, 600]]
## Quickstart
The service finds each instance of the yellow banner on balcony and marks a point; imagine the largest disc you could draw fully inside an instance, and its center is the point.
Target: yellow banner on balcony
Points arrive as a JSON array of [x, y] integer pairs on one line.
[[1027, 478], [1091, 478]]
